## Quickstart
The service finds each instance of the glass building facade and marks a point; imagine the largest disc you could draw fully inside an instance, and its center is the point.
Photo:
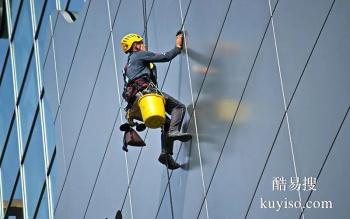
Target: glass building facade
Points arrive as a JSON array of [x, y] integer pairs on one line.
[[265, 84], [27, 138]]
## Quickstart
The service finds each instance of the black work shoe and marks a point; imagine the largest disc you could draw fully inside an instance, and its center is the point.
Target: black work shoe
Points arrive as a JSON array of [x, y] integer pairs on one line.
[[168, 161], [176, 135]]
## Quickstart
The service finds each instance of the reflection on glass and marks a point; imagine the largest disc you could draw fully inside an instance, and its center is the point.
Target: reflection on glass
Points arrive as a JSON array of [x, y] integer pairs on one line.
[[16, 209], [50, 129], [43, 212], [34, 168], [44, 29], [28, 102], [10, 164], [6, 102], [23, 41]]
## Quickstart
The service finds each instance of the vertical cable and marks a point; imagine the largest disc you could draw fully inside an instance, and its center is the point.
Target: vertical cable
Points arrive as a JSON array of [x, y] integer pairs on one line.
[[170, 196], [284, 100], [144, 12], [194, 112]]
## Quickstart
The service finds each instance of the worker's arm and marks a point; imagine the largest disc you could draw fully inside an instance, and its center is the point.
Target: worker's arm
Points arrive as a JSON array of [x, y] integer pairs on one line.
[[160, 57], [165, 57]]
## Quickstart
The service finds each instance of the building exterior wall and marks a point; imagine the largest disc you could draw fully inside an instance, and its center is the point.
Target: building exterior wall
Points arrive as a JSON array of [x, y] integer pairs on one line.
[[27, 138], [266, 87], [27, 135]]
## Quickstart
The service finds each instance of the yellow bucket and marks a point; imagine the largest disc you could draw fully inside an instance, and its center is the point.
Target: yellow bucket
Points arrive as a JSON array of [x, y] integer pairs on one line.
[[152, 110]]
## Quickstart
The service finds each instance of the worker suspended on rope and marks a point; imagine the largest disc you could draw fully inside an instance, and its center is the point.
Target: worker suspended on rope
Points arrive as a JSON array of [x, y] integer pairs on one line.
[[140, 75]]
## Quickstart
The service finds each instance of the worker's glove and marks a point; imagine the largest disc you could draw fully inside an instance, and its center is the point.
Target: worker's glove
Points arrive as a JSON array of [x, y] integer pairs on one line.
[[179, 39], [179, 32]]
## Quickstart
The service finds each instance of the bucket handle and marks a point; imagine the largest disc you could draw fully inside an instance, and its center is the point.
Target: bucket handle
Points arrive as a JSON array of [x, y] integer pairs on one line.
[[152, 85]]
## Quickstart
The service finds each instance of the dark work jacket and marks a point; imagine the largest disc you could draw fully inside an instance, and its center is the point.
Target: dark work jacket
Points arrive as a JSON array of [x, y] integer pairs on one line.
[[139, 63]]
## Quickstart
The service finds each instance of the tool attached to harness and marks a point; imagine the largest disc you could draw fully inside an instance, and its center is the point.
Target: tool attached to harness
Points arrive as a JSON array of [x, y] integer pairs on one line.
[[130, 137]]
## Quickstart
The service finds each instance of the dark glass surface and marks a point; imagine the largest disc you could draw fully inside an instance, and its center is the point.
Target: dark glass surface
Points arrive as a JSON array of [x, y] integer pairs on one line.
[[10, 164], [29, 101], [6, 102], [43, 212], [34, 168], [23, 41]]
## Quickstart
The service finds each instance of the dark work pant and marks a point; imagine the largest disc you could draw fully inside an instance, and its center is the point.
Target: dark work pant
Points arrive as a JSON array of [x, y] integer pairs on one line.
[[176, 110]]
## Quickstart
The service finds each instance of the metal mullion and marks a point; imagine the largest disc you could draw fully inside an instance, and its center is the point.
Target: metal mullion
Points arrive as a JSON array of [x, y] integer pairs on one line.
[[33, 17], [45, 150], [44, 133], [38, 70], [58, 5], [24, 192], [13, 25]]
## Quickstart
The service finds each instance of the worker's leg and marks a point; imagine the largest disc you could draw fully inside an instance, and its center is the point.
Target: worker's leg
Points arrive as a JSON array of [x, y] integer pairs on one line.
[[165, 156], [167, 145], [177, 111]]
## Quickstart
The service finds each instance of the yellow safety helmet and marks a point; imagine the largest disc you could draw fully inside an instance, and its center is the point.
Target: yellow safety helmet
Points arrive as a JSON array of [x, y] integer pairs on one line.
[[128, 40]]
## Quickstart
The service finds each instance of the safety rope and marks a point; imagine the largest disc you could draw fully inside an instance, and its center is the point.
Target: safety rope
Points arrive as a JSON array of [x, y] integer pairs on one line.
[[144, 12]]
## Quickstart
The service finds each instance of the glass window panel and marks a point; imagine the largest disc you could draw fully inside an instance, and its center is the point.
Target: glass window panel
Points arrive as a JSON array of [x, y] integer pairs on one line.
[[50, 129], [44, 30], [38, 6], [23, 41], [6, 102], [4, 43], [10, 165], [76, 5], [16, 209], [14, 5], [28, 102], [43, 212], [53, 181], [34, 168]]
